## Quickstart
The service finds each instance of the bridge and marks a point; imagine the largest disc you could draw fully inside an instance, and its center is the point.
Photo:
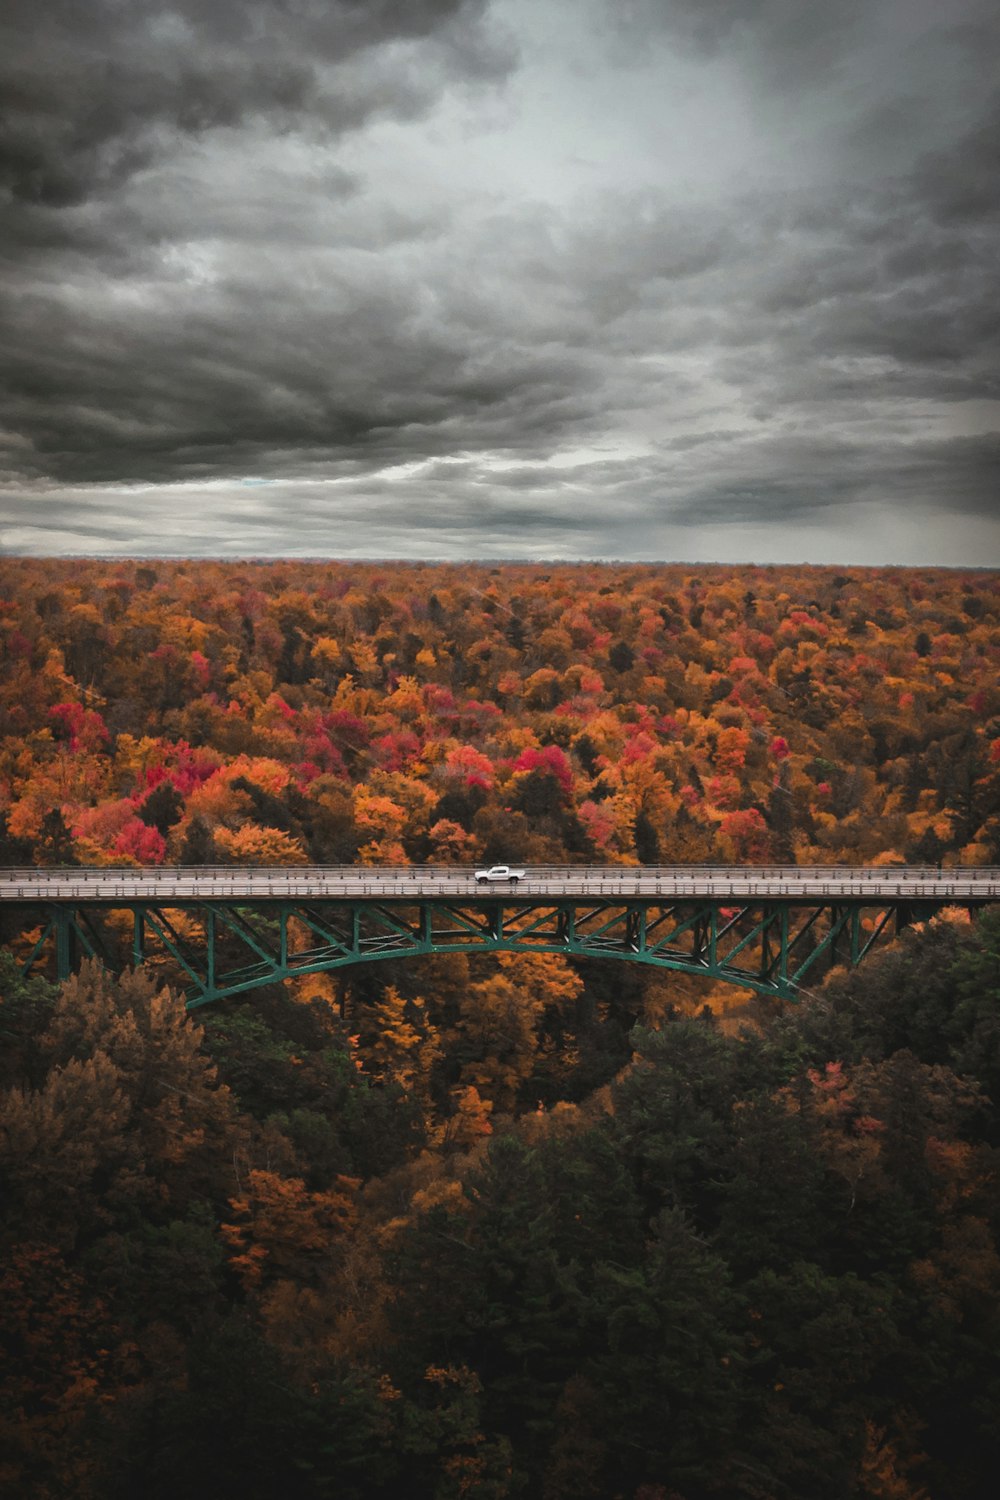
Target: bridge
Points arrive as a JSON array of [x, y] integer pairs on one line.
[[224, 931]]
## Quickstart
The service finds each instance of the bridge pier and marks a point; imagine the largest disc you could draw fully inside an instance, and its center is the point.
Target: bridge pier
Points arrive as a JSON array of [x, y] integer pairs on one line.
[[64, 926]]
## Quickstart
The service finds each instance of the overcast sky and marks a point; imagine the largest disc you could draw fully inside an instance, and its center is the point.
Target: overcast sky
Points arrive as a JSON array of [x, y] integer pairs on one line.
[[680, 279]]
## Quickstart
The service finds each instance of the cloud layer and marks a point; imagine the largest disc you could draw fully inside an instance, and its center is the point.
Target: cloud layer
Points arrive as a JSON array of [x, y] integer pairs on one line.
[[454, 279]]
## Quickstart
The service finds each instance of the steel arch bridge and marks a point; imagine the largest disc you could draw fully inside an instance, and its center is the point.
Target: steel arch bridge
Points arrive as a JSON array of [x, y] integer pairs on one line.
[[228, 931]]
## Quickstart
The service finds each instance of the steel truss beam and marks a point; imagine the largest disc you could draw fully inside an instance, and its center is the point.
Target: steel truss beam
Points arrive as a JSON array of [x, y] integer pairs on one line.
[[223, 948]]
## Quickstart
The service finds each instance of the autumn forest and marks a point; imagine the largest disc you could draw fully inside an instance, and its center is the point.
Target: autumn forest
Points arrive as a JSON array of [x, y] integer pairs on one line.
[[473, 1227]]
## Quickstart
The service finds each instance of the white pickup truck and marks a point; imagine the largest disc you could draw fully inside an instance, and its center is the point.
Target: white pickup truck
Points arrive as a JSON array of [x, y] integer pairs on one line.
[[499, 872]]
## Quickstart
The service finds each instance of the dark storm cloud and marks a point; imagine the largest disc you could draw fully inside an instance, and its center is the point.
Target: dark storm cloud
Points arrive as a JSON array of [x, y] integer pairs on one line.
[[191, 387], [794, 41], [203, 284], [796, 47], [958, 475], [958, 184], [100, 89], [111, 383]]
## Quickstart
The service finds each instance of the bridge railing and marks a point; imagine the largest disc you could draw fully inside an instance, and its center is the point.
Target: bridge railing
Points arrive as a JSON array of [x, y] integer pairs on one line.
[[26, 873], [177, 884]]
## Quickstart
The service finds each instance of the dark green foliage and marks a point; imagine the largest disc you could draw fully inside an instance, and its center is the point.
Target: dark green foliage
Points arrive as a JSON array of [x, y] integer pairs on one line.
[[667, 1362], [539, 795], [289, 1063], [54, 845], [163, 808], [762, 1266], [13, 852], [936, 995], [273, 812], [25, 1008], [621, 656], [973, 1030], [816, 1348], [647, 845], [198, 847], [241, 1427], [460, 805]]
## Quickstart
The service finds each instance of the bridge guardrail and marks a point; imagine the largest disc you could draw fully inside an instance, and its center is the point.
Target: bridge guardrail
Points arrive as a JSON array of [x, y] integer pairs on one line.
[[166, 873], [687, 872], [719, 888], [177, 883]]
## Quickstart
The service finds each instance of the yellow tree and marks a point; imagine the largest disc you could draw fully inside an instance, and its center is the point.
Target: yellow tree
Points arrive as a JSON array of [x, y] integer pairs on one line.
[[253, 845], [405, 1048], [500, 1021]]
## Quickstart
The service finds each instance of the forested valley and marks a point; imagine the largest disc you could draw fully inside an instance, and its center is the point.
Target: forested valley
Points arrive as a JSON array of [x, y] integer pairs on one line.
[[510, 1226]]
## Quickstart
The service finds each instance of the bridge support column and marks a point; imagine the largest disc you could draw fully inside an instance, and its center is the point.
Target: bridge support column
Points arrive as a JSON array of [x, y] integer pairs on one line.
[[64, 942], [783, 956], [210, 948]]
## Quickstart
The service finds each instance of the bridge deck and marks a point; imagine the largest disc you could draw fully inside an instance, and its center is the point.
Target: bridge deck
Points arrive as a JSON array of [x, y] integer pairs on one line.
[[105, 886]]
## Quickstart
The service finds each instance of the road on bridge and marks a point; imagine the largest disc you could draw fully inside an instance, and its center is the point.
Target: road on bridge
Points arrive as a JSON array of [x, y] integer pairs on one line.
[[890, 883]]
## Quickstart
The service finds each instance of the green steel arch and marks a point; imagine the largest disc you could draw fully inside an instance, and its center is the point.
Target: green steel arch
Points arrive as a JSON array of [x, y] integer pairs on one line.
[[230, 947]]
